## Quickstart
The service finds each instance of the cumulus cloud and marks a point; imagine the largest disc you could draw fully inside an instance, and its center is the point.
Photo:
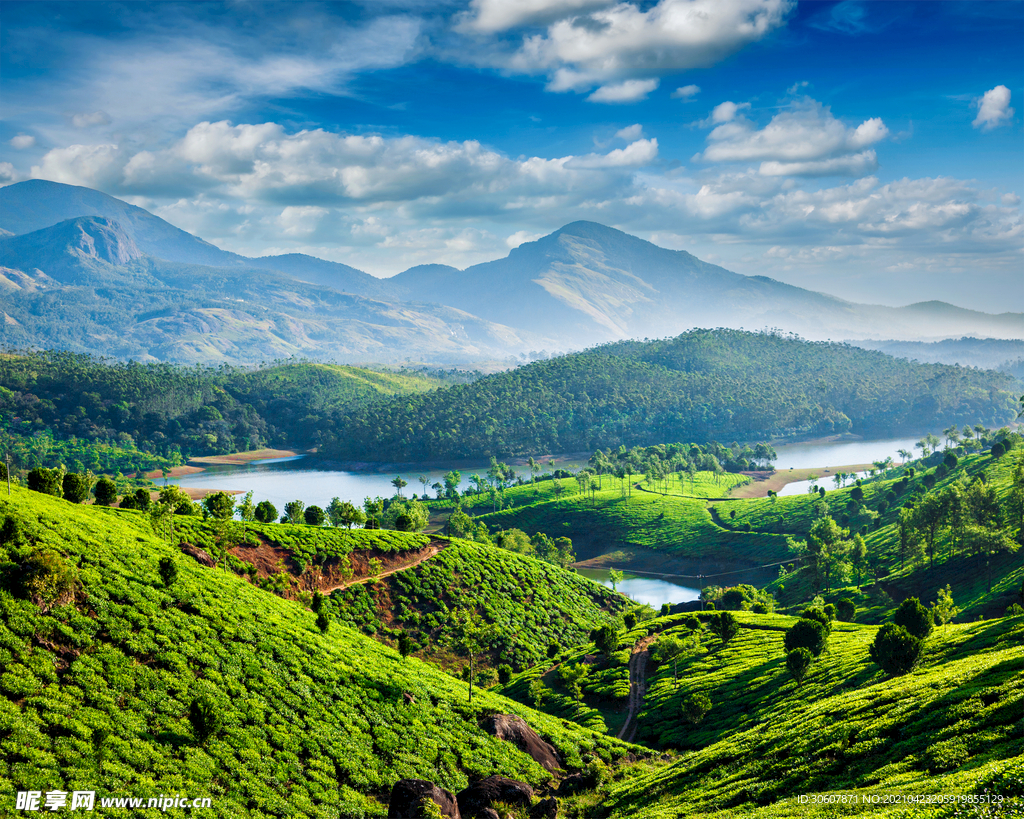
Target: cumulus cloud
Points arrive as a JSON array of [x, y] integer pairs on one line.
[[615, 43], [22, 141], [636, 154], [686, 92], [628, 91], [805, 140], [630, 133], [994, 109], [90, 120], [499, 15], [520, 237]]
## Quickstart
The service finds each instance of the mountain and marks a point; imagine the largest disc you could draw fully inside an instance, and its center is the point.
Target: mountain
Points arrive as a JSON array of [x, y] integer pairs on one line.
[[84, 285], [591, 283]]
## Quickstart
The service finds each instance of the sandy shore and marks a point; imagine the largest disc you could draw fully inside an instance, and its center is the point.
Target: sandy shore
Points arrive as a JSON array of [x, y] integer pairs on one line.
[[241, 458], [777, 480]]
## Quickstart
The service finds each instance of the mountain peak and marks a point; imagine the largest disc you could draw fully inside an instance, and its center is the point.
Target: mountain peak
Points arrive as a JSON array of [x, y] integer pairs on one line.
[[99, 238]]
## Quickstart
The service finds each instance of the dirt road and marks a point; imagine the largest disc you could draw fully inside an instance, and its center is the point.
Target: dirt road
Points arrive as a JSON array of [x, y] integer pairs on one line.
[[637, 685]]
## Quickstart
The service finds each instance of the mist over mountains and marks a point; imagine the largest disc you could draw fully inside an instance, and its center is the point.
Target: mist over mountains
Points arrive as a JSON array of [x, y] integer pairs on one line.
[[88, 272]]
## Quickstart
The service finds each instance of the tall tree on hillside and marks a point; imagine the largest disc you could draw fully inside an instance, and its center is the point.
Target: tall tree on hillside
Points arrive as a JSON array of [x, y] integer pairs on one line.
[[928, 517], [829, 542], [909, 542], [470, 636], [399, 485], [451, 484], [534, 469], [424, 480], [905, 454]]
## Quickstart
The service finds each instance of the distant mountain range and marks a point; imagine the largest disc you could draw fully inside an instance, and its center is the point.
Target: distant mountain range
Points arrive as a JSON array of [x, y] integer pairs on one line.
[[86, 271]]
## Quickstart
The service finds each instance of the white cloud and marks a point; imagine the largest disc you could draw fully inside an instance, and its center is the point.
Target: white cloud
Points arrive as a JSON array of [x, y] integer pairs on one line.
[[994, 109], [854, 165], [686, 92], [628, 91], [624, 42], [7, 173], [22, 141], [636, 154], [805, 140], [520, 237], [499, 15], [90, 120], [630, 133], [725, 112]]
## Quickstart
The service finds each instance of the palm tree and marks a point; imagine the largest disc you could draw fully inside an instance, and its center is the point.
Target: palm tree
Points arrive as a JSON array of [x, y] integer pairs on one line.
[[904, 454], [399, 484]]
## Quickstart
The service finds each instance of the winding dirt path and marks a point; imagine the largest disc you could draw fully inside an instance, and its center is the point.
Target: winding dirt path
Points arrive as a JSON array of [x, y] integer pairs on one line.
[[427, 553], [637, 686]]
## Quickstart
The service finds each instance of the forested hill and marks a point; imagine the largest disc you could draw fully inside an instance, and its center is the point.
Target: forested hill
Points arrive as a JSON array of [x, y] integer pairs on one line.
[[702, 385]]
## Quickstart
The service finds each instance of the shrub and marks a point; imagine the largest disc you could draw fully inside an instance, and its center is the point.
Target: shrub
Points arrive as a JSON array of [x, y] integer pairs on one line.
[[798, 661], [76, 487], [806, 633], [629, 620], [553, 649], [695, 707], [404, 644], [314, 516], [323, 622], [504, 673], [998, 450], [204, 718], [846, 610], [105, 491], [1014, 610], [168, 570], [266, 512], [724, 626], [830, 612], [47, 579], [914, 617], [819, 616], [605, 639], [895, 649], [47, 481]]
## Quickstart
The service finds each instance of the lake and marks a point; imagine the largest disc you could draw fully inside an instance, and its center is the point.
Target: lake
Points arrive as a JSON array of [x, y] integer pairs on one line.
[[286, 479], [650, 590]]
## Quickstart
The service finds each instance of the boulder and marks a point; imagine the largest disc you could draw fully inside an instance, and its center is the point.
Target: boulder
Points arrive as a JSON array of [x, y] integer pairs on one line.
[[479, 796], [545, 809], [488, 813], [407, 797], [198, 554], [516, 730]]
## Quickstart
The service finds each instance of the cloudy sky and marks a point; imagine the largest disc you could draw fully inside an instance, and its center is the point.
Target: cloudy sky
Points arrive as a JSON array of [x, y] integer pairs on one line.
[[873, 150]]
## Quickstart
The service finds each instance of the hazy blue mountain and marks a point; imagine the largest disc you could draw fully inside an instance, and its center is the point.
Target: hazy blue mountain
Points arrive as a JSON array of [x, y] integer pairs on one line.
[[987, 353], [335, 275], [84, 285], [587, 283]]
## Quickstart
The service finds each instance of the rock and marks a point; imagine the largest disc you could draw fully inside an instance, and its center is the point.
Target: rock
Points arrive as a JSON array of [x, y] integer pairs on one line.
[[576, 783], [408, 794], [481, 795], [488, 813], [516, 730], [198, 554], [409, 698], [545, 809]]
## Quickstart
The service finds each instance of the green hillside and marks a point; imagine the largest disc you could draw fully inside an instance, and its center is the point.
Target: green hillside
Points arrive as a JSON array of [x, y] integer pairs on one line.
[[703, 385], [102, 661], [103, 415]]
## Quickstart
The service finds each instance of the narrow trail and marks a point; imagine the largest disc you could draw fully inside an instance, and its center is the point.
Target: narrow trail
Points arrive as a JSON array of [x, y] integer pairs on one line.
[[430, 551], [637, 686]]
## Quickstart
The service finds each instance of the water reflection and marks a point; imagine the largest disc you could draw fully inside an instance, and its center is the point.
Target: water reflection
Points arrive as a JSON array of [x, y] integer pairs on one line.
[[650, 590]]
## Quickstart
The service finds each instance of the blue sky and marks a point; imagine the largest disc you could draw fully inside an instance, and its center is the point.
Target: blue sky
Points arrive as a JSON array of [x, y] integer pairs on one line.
[[871, 150]]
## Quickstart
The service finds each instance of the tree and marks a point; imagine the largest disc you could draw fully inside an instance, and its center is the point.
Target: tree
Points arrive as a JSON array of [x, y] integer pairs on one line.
[[323, 621], [669, 647], [614, 577], [205, 719], [537, 692], [806, 633], [846, 610], [798, 661], [943, 609], [374, 508], [246, 508], [724, 625], [314, 516], [989, 542], [76, 487], [533, 469], [168, 570], [895, 649], [695, 707], [470, 635], [265, 512], [905, 455], [293, 511], [219, 505], [451, 484], [909, 539], [424, 480], [404, 644], [106, 492], [859, 556], [416, 514], [605, 639], [914, 617], [827, 541], [928, 517], [399, 485], [553, 649], [47, 481], [572, 677]]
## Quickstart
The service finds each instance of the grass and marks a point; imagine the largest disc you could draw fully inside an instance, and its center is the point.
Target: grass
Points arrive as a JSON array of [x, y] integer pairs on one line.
[[313, 724]]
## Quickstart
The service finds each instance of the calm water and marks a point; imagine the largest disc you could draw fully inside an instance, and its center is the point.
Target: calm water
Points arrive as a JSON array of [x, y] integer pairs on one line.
[[802, 487], [650, 590], [287, 479]]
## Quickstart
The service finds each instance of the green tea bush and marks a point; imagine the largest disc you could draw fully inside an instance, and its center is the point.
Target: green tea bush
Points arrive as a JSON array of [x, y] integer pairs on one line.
[[807, 634], [895, 649], [914, 617]]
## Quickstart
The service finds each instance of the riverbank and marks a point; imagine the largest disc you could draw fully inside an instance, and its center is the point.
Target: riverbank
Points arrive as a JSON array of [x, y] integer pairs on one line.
[[759, 487]]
